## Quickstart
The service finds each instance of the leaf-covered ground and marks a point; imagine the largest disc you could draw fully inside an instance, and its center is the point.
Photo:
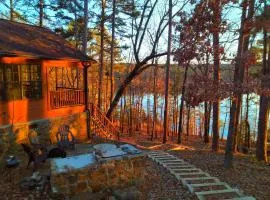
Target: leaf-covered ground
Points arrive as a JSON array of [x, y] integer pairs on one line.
[[252, 177], [248, 175]]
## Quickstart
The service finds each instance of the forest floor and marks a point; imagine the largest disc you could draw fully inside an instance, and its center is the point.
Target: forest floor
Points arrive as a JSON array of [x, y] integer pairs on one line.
[[158, 184], [248, 175]]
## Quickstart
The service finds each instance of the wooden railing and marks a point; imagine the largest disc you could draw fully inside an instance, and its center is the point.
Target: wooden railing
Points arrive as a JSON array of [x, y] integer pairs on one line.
[[103, 126], [66, 97]]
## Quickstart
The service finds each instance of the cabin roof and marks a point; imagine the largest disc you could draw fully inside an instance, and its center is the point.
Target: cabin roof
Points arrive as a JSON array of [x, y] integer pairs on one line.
[[18, 39]]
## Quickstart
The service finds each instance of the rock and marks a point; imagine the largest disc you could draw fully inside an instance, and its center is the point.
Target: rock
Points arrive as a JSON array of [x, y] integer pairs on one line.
[[106, 150], [112, 198], [36, 177], [130, 149], [127, 194]]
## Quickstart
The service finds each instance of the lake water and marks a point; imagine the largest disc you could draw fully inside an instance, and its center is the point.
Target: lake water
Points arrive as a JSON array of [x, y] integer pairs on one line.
[[148, 101]]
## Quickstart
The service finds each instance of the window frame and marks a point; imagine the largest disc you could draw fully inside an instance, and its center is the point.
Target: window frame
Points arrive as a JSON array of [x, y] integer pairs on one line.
[[22, 82]]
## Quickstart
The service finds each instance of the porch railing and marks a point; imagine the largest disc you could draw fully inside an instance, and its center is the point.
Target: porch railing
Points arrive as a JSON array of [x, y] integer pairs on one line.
[[66, 97], [102, 125]]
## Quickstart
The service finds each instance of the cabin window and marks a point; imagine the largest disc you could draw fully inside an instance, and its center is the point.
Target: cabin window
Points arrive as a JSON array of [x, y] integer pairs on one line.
[[20, 82]]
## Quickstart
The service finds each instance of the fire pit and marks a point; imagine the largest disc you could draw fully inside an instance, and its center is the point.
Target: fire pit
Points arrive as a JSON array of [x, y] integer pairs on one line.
[[108, 166]]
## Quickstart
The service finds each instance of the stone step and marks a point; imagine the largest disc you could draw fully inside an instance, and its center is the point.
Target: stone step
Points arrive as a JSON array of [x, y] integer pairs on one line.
[[170, 161], [179, 164], [159, 154], [182, 166], [179, 176], [244, 198], [201, 195], [191, 170], [163, 158], [191, 187], [166, 159], [186, 173], [185, 180]]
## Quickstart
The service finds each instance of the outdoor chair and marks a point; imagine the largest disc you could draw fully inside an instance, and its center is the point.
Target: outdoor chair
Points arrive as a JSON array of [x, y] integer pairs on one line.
[[65, 138], [36, 156]]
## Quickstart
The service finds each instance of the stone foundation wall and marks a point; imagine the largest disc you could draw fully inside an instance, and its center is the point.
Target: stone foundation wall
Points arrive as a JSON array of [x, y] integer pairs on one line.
[[47, 128], [113, 174]]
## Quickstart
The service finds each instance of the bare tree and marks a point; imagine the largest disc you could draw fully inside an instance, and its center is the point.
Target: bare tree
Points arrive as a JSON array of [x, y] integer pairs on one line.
[[101, 58], [216, 105], [85, 28], [112, 49], [41, 5], [168, 63], [140, 31], [238, 80], [180, 124], [261, 146]]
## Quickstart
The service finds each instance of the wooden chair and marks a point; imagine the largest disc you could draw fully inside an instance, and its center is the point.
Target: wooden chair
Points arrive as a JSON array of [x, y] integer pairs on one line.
[[65, 138]]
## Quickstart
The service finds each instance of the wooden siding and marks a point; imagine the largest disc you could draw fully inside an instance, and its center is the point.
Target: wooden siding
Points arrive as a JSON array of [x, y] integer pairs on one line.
[[20, 111]]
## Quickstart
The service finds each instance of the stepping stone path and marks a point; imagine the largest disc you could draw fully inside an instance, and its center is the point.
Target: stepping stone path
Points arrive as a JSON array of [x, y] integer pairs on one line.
[[195, 180]]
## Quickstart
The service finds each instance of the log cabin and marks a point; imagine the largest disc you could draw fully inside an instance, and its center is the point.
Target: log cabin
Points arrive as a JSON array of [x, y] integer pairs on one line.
[[41, 75]]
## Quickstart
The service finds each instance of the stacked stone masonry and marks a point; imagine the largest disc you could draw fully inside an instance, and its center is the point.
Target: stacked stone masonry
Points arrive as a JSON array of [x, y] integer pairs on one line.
[[47, 128], [110, 174]]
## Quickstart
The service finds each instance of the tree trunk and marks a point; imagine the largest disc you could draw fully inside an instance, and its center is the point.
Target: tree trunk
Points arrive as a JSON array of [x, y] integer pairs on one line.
[[238, 80], [76, 29], [121, 116], [112, 51], [261, 145], [122, 88], [148, 115], [247, 126], [154, 133], [166, 108], [85, 31], [41, 4], [216, 106], [206, 122], [101, 58], [237, 124], [11, 10], [188, 120], [180, 127]]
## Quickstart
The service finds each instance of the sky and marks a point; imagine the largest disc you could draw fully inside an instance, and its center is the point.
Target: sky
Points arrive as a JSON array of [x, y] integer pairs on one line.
[[232, 15]]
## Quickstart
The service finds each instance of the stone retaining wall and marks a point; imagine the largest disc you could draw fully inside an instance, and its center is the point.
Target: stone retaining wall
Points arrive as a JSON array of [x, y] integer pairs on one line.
[[47, 128], [111, 174]]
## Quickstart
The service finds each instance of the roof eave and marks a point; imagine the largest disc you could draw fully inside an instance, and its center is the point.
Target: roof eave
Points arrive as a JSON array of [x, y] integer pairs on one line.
[[10, 54]]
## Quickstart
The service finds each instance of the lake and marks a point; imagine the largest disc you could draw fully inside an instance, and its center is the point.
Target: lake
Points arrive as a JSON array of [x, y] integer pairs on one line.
[[148, 100]]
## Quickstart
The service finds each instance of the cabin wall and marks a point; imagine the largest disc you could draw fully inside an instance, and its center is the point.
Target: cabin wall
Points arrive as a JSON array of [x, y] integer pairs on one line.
[[23, 113]]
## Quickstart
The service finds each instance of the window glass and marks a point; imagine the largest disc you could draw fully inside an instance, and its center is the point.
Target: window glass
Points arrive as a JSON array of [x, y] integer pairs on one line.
[[20, 81]]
